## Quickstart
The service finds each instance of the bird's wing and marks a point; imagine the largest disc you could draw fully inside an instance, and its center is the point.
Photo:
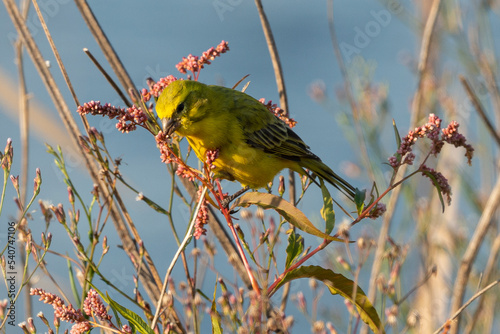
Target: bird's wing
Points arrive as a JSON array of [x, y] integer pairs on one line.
[[262, 130], [275, 137]]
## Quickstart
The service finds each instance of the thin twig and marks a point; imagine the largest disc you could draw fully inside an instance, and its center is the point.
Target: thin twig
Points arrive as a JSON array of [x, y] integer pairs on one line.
[[479, 108], [23, 110], [221, 234], [55, 52], [424, 280], [108, 77], [187, 237], [470, 254], [227, 215], [489, 270], [105, 45], [273, 51], [427, 35], [44, 73], [280, 82], [460, 310], [24, 129]]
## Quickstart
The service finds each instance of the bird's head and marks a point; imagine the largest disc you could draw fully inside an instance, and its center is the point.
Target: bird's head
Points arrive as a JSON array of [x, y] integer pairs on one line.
[[180, 105]]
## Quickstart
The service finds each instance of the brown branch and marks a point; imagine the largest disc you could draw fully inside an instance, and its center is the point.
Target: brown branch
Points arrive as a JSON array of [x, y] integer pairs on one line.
[[24, 129], [470, 254], [105, 45], [430, 24], [107, 77], [55, 52], [479, 108], [489, 270], [460, 310], [280, 82], [273, 51]]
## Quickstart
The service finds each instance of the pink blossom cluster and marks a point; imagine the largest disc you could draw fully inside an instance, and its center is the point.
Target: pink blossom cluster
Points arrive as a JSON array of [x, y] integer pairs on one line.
[[432, 130], [93, 305], [155, 88], [128, 119], [185, 172], [167, 157], [202, 217], [165, 153], [133, 116], [451, 136], [194, 64], [6, 157], [64, 312], [441, 181], [211, 156], [96, 108], [278, 112], [378, 210]]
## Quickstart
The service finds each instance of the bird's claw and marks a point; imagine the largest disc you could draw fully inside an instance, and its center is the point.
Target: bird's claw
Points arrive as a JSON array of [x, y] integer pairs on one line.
[[226, 201]]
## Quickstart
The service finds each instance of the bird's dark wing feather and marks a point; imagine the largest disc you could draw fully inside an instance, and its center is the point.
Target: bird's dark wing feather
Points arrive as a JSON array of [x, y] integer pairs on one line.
[[262, 130], [278, 139]]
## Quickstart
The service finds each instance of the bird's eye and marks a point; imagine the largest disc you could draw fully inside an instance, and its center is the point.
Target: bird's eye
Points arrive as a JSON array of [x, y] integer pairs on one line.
[[180, 107]]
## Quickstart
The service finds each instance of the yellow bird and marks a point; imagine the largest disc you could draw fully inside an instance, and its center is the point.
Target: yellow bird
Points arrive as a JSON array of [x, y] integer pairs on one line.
[[253, 144]]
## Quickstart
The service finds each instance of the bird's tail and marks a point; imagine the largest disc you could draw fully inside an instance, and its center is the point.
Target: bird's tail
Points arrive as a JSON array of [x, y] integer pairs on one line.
[[325, 172]]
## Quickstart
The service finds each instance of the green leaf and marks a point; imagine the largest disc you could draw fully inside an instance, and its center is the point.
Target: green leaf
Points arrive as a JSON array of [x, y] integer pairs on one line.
[[436, 184], [359, 200], [243, 241], [136, 321], [215, 316], [72, 283], [398, 141], [291, 214], [396, 133], [338, 284], [294, 248], [327, 211], [216, 324]]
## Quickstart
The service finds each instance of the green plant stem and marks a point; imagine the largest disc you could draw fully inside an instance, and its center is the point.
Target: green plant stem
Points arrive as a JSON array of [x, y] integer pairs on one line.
[[187, 237], [5, 178]]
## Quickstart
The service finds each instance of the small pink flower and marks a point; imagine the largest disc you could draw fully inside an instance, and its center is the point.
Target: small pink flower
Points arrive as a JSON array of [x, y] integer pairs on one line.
[[155, 88], [432, 130], [451, 136], [194, 64], [211, 156], [81, 327], [441, 181], [94, 305], [202, 217], [278, 112], [378, 211], [185, 172]]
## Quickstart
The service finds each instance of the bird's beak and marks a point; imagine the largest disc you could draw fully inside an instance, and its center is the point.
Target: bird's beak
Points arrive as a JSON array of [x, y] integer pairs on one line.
[[170, 125]]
